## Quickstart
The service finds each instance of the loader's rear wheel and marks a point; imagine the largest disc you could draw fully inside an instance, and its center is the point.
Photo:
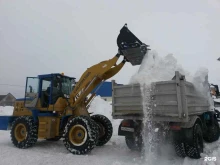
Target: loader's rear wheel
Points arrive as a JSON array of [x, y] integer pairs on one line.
[[213, 133], [24, 132], [105, 129], [80, 135]]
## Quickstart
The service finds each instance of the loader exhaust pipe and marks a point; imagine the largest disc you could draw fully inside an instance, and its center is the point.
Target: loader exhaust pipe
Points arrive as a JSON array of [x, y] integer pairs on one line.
[[131, 47]]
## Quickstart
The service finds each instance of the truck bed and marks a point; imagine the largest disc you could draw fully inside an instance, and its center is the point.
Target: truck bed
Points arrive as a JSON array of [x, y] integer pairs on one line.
[[173, 100]]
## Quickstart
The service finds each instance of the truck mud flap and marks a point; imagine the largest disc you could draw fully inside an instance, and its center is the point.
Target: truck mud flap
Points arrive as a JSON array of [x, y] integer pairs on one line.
[[126, 128], [5, 122], [184, 135]]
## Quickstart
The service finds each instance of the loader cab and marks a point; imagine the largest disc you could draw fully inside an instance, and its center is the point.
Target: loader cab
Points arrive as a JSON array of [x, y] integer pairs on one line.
[[47, 88]]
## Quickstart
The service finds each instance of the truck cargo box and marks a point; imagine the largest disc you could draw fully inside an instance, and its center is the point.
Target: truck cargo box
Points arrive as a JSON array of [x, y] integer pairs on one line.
[[173, 100]]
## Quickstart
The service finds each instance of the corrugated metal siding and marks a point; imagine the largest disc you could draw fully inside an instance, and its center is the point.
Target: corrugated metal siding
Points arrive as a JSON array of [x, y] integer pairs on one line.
[[105, 90]]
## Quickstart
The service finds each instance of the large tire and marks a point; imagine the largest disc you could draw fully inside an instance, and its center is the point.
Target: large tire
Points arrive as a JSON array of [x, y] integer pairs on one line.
[[179, 144], [180, 149], [105, 127], [134, 143], [80, 135], [24, 132], [213, 133], [195, 148]]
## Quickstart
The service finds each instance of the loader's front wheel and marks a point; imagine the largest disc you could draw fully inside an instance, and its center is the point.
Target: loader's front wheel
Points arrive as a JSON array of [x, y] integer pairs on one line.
[[24, 132], [105, 129], [80, 135]]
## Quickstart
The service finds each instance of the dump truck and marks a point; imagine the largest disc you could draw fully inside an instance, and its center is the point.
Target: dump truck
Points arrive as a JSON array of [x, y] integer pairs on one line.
[[57, 106], [177, 103]]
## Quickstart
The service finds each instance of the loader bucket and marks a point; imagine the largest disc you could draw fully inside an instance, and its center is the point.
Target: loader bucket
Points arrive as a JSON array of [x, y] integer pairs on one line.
[[131, 47]]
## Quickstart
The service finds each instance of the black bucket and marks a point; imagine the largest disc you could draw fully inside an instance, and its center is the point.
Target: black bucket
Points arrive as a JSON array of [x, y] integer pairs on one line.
[[131, 47]]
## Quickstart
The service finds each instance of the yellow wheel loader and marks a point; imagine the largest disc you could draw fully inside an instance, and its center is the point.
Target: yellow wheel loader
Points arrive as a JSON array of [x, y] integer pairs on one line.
[[55, 106]]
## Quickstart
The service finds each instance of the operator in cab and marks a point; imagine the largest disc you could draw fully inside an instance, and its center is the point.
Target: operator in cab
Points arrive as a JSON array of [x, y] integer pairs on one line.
[[55, 93]]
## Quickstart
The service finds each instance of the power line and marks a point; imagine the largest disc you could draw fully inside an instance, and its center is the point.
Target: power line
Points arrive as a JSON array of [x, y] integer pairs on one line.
[[11, 85]]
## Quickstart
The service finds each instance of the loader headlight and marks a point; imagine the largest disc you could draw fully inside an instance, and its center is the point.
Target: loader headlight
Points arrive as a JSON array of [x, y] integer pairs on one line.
[[66, 96]]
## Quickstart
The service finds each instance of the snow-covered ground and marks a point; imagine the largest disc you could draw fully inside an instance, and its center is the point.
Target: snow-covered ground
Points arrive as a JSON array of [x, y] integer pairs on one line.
[[6, 111], [217, 100], [115, 152]]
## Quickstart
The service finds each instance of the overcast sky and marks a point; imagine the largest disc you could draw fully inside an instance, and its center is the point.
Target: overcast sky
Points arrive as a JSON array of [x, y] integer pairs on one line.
[[50, 36]]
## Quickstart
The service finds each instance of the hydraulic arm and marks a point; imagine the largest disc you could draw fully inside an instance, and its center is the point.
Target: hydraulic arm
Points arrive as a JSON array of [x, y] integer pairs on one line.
[[94, 76]]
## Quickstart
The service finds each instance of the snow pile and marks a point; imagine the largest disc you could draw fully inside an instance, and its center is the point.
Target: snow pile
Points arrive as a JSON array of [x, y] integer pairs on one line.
[[217, 100], [200, 81], [155, 68], [100, 106], [6, 111]]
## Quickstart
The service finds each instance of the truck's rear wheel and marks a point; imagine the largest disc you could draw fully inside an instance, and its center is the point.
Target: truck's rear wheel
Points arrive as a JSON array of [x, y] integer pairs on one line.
[[134, 142], [213, 132], [105, 129], [179, 144], [80, 135], [195, 148], [24, 132], [180, 149]]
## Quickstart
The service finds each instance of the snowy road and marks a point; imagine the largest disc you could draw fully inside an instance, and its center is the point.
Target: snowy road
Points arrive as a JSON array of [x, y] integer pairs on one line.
[[115, 152], [45, 152]]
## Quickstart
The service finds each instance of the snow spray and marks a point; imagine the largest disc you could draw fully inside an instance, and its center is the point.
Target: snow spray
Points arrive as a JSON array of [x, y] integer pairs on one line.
[[153, 69]]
